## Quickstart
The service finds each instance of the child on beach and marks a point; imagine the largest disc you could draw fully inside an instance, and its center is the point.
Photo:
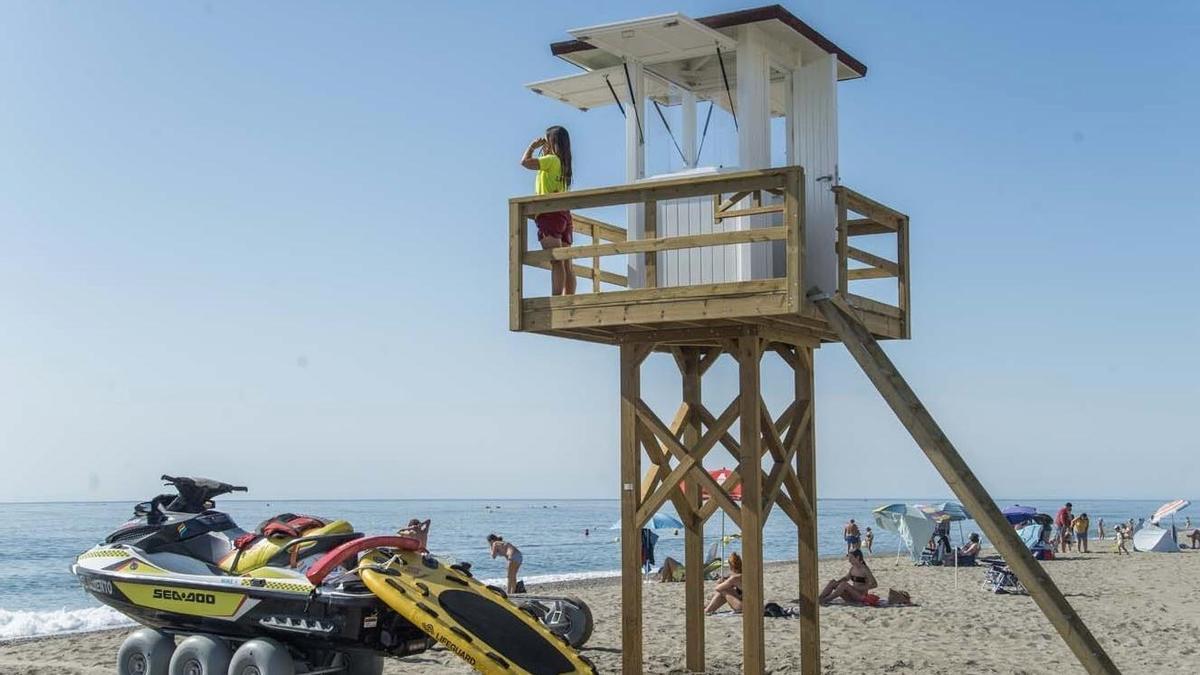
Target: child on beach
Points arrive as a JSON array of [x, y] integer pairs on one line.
[[511, 553], [869, 539], [729, 590], [1122, 537], [554, 229]]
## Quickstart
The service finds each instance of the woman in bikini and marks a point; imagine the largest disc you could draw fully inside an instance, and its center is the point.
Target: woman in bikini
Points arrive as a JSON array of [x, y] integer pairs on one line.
[[729, 590], [554, 229], [512, 554], [854, 586]]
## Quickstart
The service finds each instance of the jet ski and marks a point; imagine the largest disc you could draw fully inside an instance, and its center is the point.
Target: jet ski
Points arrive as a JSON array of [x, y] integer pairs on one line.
[[302, 595]]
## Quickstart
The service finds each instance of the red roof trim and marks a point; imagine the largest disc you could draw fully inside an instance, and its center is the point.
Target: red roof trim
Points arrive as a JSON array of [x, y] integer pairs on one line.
[[742, 17]]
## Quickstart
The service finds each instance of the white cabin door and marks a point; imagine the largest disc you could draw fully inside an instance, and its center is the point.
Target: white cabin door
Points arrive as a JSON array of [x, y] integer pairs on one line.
[[814, 91]]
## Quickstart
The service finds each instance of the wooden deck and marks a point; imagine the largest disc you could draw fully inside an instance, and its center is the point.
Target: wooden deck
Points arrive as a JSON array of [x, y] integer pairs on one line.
[[704, 314]]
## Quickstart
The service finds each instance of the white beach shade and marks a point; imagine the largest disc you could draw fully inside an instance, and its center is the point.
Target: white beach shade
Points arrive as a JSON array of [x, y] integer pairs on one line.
[[913, 526], [1169, 509], [1154, 539]]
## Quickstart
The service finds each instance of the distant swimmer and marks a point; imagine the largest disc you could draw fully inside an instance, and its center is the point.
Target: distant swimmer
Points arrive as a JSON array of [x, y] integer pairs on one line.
[[509, 552]]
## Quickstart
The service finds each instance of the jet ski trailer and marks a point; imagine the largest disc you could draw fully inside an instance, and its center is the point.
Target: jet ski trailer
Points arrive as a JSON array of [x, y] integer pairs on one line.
[[305, 596]]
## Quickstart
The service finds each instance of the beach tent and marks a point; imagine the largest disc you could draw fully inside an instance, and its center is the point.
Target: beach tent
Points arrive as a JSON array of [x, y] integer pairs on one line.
[[913, 526], [1154, 539]]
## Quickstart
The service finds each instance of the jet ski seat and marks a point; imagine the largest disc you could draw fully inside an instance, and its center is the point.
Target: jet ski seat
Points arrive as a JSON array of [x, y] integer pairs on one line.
[[292, 543]]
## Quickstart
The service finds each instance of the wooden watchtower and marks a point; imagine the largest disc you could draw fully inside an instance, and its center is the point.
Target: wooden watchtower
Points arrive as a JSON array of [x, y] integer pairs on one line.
[[751, 261]]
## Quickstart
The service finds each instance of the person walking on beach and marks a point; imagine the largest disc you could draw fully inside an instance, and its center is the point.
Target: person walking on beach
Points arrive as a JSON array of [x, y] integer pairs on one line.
[[510, 553], [554, 229], [1100, 527], [1081, 524], [851, 535], [1062, 529], [868, 540]]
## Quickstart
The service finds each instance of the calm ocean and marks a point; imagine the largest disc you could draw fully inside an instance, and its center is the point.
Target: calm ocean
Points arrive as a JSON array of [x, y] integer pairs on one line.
[[41, 540]]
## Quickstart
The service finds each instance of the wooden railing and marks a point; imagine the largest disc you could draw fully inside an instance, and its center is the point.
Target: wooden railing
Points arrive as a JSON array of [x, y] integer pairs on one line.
[[872, 218], [729, 191]]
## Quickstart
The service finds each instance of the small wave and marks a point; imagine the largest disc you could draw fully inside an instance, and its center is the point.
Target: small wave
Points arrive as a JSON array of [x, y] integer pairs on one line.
[[22, 624], [554, 578]]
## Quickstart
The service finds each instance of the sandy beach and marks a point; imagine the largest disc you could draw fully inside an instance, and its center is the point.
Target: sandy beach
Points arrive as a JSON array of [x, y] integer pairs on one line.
[[1142, 607]]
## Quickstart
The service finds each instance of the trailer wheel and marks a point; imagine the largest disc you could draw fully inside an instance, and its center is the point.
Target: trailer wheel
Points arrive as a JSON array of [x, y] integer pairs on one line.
[[262, 656], [145, 652], [201, 655]]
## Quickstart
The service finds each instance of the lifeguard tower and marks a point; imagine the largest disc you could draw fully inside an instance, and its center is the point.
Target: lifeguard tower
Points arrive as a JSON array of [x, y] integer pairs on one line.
[[762, 258]]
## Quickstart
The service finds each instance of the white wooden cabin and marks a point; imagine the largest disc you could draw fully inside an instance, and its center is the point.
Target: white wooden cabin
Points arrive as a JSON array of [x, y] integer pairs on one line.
[[755, 64]]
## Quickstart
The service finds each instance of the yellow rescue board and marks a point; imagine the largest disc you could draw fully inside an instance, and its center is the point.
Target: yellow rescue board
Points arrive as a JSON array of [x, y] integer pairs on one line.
[[471, 620]]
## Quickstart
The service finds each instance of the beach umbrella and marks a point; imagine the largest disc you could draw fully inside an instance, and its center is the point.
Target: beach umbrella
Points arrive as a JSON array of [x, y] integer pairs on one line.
[[951, 511], [912, 526], [659, 521], [1169, 509], [1017, 514]]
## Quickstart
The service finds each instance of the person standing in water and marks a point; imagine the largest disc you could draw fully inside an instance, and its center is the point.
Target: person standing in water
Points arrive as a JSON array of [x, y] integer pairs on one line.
[[510, 553], [851, 535], [554, 229]]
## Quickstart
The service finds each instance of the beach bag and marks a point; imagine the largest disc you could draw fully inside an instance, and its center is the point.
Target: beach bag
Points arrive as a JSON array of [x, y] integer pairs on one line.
[[896, 597], [774, 611], [520, 587]]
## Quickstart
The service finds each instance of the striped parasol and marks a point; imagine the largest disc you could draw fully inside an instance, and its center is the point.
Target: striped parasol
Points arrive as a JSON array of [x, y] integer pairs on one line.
[[1169, 509]]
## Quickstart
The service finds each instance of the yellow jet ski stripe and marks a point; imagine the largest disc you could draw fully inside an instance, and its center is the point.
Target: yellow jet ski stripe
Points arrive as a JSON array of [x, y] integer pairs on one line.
[[193, 602], [416, 590]]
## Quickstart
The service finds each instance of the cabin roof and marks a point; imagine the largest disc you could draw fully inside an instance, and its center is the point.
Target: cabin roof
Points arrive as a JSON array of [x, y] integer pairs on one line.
[[590, 57]]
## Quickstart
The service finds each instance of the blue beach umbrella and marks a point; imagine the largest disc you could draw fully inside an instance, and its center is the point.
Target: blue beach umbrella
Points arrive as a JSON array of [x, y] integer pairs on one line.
[[659, 521]]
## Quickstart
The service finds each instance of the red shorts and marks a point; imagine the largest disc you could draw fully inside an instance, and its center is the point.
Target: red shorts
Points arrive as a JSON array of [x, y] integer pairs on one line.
[[871, 600], [554, 224]]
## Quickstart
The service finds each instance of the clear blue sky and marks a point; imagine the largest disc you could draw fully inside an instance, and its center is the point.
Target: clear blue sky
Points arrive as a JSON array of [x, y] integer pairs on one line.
[[266, 242]]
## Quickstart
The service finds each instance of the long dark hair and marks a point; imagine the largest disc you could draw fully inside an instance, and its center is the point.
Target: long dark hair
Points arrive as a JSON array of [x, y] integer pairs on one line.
[[558, 143]]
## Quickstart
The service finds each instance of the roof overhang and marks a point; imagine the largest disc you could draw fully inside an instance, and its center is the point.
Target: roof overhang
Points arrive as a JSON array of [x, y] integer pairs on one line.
[[603, 46]]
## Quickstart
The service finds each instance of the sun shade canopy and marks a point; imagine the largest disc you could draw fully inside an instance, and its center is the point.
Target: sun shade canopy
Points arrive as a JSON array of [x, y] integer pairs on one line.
[[592, 90]]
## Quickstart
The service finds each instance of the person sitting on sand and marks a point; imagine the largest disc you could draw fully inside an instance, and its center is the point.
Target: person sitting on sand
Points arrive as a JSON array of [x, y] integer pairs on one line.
[[854, 586], [510, 553], [851, 535], [868, 540], [966, 554], [729, 589]]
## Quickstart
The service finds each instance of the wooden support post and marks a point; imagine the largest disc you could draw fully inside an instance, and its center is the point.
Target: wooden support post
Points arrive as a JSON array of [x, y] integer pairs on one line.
[[962, 481], [843, 243], [516, 266], [651, 229], [693, 538], [749, 356], [806, 554], [903, 298], [632, 356]]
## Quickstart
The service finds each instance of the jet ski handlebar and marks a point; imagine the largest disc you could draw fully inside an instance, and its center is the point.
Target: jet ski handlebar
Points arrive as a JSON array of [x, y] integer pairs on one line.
[[195, 494]]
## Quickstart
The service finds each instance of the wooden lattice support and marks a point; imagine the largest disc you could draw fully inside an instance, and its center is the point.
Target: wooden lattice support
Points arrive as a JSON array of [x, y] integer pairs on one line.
[[674, 455], [962, 481]]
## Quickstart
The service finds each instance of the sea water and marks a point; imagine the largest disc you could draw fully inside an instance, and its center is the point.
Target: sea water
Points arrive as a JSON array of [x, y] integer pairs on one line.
[[560, 540]]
